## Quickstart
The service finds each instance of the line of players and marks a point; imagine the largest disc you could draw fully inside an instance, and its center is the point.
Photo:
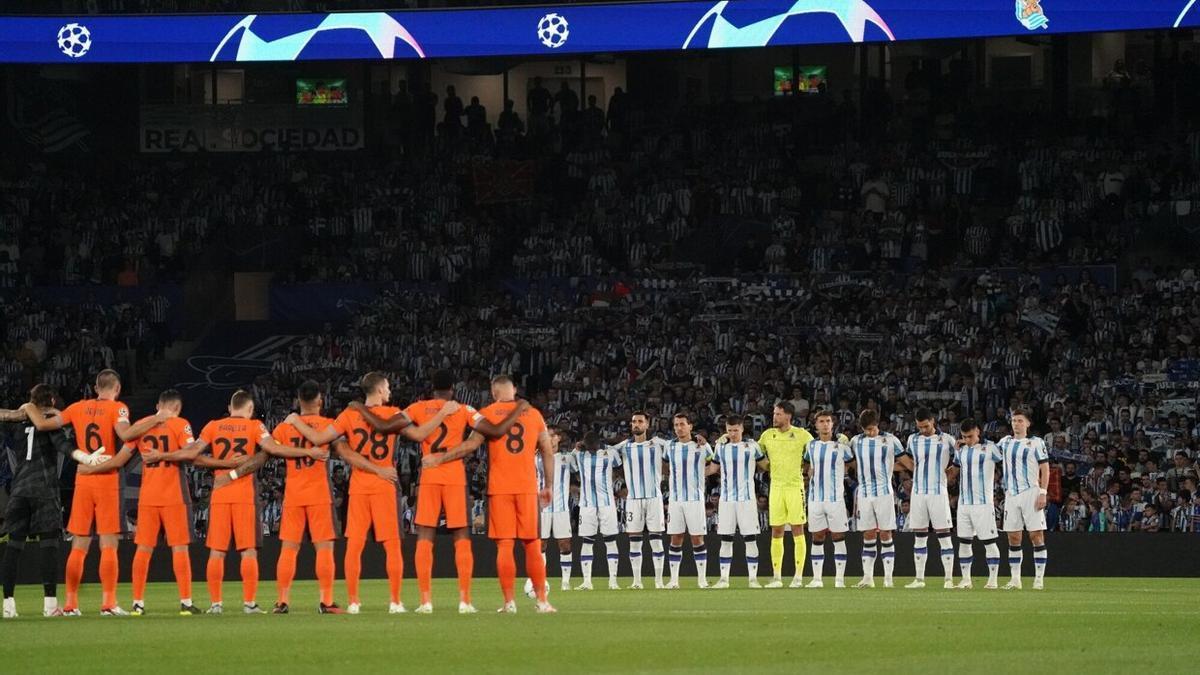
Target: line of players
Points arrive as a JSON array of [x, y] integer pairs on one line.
[[930, 457], [234, 448]]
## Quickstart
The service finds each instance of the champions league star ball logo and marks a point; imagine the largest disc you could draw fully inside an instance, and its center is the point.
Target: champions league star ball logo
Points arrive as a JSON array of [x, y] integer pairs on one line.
[[1030, 14], [74, 40], [553, 31], [854, 15], [380, 28]]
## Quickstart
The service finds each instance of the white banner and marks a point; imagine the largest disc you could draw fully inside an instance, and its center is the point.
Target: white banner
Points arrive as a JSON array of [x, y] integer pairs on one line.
[[249, 128]]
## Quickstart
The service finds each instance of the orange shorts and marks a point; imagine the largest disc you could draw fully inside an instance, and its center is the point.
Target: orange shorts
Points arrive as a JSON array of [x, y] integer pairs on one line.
[[378, 511], [320, 518], [513, 516], [431, 499], [239, 521], [176, 520], [101, 508]]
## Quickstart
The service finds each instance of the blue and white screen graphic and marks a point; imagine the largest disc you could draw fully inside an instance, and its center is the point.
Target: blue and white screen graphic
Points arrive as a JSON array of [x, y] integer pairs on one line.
[[543, 30]]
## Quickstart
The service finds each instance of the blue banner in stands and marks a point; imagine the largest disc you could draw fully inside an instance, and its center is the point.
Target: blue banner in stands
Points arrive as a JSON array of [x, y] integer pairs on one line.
[[551, 30]]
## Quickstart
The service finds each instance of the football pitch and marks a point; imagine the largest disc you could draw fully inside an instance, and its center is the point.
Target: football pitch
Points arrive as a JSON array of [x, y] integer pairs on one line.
[[1076, 625]]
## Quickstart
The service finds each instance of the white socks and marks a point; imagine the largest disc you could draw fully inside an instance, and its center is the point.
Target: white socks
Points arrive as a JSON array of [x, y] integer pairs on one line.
[[965, 560], [816, 556], [752, 558], [726, 559], [635, 558], [868, 559], [839, 559], [614, 558], [920, 554], [946, 542], [585, 559], [992, 551], [888, 555], [657, 554]]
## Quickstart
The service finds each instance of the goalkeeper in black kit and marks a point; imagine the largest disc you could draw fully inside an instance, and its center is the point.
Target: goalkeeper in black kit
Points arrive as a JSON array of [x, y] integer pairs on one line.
[[34, 506]]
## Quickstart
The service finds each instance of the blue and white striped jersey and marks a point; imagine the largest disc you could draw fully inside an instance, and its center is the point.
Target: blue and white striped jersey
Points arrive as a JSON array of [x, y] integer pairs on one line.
[[1022, 457], [977, 477], [560, 501], [875, 457], [595, 477], [643, 466], [828, 460], [685, 470], [931, 455], [737, 462]]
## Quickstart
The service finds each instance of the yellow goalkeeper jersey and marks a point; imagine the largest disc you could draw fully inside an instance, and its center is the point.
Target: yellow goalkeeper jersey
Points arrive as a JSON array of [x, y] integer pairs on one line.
[[785, 450]]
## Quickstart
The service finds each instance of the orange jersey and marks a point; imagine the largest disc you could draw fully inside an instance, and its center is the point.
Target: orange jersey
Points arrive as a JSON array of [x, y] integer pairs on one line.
[[95, 424], [233, 438], [307, 479], [379, 449], [164, 483], [452, 431], [511, 468]]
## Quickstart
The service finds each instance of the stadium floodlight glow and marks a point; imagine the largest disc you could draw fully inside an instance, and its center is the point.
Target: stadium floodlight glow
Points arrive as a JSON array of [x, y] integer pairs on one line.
[[531, 30]]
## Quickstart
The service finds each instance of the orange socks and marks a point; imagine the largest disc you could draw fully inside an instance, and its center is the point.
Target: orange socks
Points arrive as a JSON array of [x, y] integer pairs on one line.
[[325, 571], [425, 569], [354, 549], [249, 579], [285, 571], [182, 563], [506, 568], [535, 566], [464, 560], [141, 570], [395, 567], [215, 573], [74, 576], [108, 577]]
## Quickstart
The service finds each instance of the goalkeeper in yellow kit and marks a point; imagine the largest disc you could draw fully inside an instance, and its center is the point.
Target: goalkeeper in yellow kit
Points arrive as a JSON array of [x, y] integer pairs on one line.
[[784, 447]]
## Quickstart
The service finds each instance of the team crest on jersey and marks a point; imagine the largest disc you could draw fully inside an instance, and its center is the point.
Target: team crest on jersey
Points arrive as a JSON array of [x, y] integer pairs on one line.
[[123, 413], [187, 429]]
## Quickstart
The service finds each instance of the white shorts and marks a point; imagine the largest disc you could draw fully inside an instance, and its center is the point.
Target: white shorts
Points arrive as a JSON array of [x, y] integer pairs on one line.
[[827, 516], [686, 517], [737, 516], [644, 514], [556, 525], [977, 521], [593, 519], [877, 513], [1021, 512], [926, 510]]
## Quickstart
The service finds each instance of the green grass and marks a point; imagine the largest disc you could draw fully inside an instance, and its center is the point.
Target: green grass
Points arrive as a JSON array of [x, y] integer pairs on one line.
[[1075, 625]]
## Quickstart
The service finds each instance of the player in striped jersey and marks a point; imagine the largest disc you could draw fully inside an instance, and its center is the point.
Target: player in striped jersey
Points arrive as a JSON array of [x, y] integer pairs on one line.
[[875, 458], [735, 459], [931, 452], [597, 506], [556, 517], [826, 457], [976, 514], [642, 459], [1026, 479], [686, 459]]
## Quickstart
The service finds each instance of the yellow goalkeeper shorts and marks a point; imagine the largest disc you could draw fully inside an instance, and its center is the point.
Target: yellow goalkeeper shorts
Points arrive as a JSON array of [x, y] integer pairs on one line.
[[787, 506]]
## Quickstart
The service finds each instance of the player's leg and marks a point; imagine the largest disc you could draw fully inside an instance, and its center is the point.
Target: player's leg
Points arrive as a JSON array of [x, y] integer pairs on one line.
[[220, 532], [635, 526], [868, 524], [676, 526], [564, 557], [247, 535], [83, 513], [940, 517], [966, 534], [838, 526], [612, 554], [502, 528], [697, 527], [149, 523], [1035, 522], [177, 521], [454, 502], [887, 556], [798, 515], [358, 521], [386, 510], [110, 526], [48, 548], [526, 508], [429, 509], [992, 552], [776, 519], [1014, 525], [726, 526], [17, 518], [589, 526], [655, 525], [919, 518], [747, 525], [291, 532], [818, 525]]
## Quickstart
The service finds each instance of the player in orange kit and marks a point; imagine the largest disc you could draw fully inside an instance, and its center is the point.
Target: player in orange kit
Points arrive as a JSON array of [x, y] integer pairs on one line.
[[233, 508], [513, 496], [443, 484], [374, 499], [307, 502], [100, 426], [164, 502]]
